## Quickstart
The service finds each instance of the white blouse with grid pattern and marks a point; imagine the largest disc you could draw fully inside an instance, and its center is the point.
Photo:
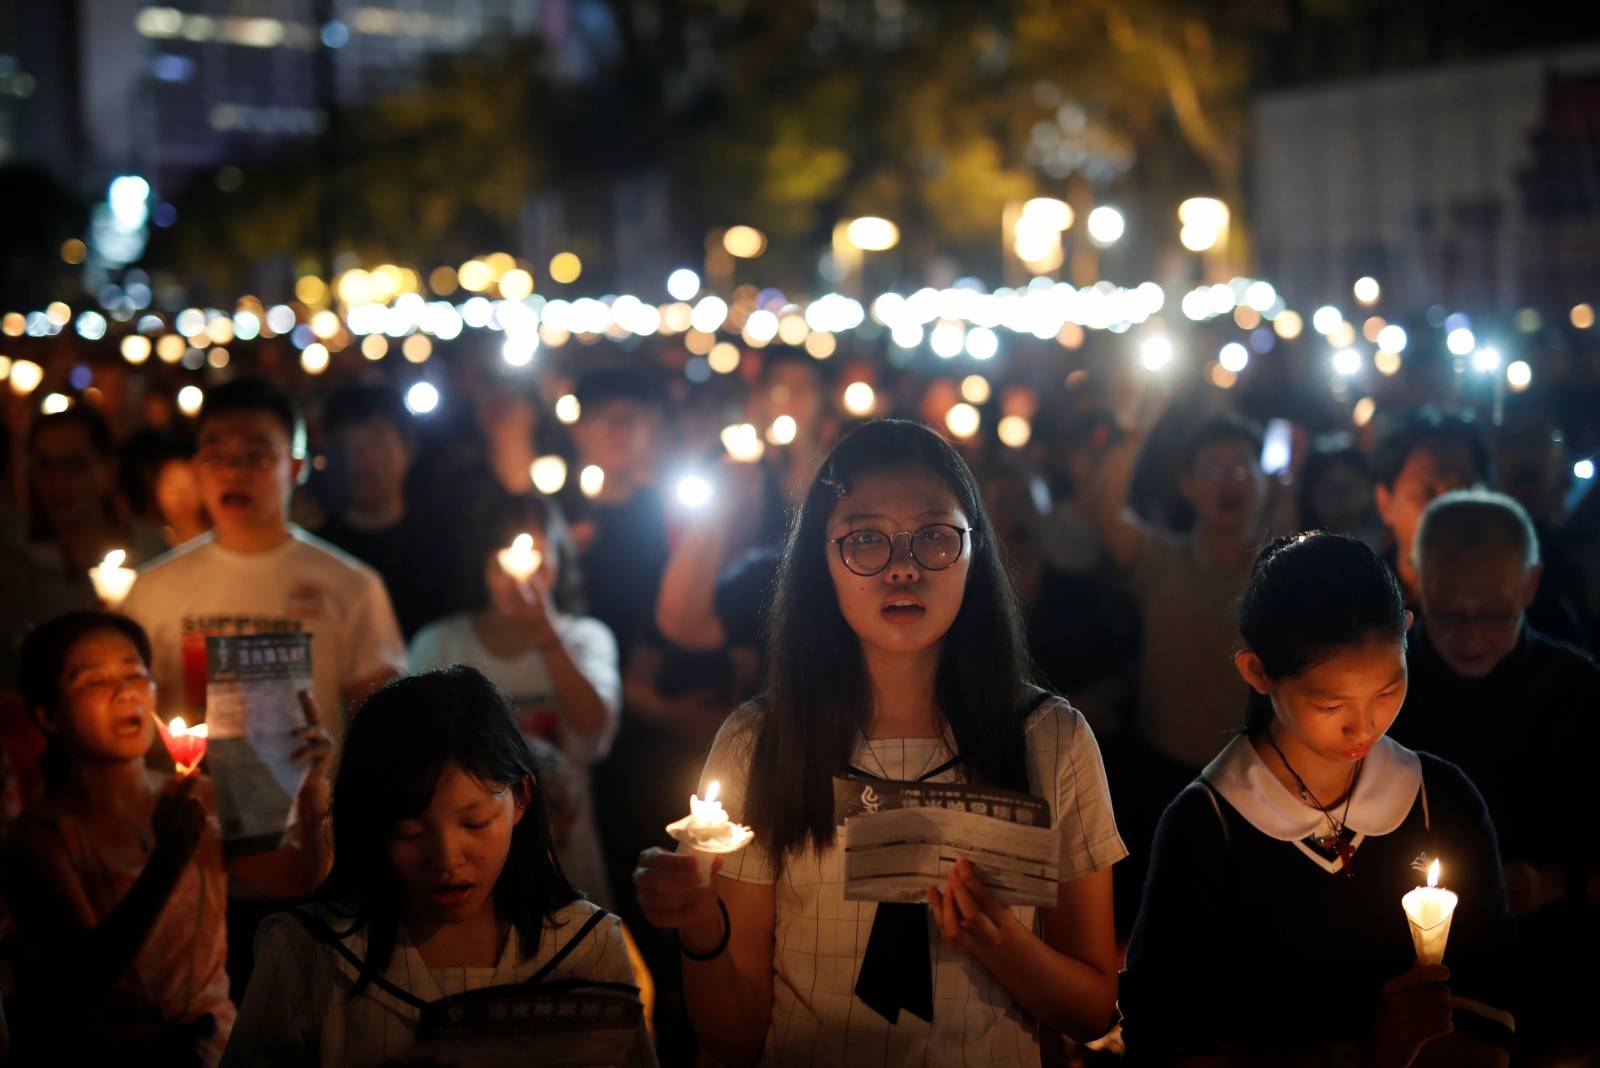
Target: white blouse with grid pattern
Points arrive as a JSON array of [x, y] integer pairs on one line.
[[820, 937]]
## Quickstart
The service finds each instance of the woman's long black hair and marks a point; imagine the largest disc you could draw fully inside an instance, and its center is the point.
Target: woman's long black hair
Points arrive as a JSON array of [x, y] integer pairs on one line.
[[817, 693], [1308, 596], [394, 752]]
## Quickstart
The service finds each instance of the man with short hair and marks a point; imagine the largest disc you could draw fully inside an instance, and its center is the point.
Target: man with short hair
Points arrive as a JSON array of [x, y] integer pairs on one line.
[[422, 561], [1520, 714], [256, 573], [1423, 454]]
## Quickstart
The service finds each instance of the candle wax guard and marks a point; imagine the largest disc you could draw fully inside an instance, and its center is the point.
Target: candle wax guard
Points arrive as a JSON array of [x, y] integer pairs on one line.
[[709, 833], [1429, 910], [186, 745]]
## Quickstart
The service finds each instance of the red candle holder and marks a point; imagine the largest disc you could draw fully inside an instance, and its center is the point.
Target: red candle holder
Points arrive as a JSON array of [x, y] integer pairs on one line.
[[185, 744]]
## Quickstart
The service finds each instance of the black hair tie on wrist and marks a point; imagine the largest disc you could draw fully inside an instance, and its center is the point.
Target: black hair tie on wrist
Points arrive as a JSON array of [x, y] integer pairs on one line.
[[727, 933]]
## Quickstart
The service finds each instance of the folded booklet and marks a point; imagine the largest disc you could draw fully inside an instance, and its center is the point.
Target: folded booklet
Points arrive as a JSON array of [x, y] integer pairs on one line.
[[253, 683], [899, 837], [516, 1026]]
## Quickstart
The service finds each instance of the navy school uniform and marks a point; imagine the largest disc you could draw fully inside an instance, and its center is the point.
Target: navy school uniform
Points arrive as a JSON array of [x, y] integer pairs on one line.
[[1252, 937]]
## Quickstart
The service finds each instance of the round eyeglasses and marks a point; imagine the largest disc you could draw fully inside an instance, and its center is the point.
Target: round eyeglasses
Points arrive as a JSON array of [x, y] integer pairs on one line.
[[934, 548]]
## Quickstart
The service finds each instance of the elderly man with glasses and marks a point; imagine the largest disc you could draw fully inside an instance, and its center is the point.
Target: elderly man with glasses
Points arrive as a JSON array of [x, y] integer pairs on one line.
[[1520, 714]]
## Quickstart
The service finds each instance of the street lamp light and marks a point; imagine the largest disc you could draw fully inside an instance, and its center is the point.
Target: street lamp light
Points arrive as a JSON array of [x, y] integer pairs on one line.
[[1204, 223], [872, 234], [852, 238], [1106, 226]]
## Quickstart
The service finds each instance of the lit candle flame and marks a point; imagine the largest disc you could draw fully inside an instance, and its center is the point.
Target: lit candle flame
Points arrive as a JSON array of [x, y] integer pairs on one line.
[[177, 727], [112, 580], [1433, 874], [522, 559], [715, 788]]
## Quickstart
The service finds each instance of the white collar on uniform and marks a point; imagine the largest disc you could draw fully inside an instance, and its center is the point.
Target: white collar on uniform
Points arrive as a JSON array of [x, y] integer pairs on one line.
[[1384, 795]]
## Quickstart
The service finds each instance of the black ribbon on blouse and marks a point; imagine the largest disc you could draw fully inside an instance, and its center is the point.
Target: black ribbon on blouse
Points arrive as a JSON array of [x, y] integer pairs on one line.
[[897, 970]]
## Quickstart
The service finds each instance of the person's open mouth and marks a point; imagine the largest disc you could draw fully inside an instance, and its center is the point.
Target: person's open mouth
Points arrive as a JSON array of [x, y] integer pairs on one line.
[[452, 895], [902, 608]]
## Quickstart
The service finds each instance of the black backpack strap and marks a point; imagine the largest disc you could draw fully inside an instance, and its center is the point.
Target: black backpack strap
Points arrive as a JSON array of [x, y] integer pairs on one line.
[[566, 951], [327, 934]]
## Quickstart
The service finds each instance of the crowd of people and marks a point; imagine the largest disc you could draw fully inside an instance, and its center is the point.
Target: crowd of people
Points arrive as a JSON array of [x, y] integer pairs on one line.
[[1250, 701]]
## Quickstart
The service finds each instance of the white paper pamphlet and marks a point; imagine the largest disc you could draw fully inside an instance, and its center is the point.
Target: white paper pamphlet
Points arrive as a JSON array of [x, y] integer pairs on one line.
[[899, 837], [253, 683]]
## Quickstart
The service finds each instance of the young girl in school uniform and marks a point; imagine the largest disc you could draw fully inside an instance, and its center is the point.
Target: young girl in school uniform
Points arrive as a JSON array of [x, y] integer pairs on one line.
[[1271, 930], [895, 651], [444, 881]]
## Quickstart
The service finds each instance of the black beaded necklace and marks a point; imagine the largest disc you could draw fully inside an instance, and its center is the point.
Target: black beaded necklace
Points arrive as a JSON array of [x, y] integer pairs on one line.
[[1339, 841]]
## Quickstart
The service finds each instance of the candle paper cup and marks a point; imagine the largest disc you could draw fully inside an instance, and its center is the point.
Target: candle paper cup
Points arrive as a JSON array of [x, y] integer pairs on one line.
[[705, 853], [703, 860], [1428, 913]]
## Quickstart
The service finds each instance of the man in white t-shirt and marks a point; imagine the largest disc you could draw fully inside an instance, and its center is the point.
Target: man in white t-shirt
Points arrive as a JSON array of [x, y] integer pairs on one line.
[[257, 573]]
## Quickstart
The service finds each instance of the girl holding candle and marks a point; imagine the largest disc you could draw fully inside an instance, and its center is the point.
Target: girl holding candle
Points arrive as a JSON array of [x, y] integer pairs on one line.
[[895, 651], [444, 881], [533, 641], [1272, 929], [116, 880]]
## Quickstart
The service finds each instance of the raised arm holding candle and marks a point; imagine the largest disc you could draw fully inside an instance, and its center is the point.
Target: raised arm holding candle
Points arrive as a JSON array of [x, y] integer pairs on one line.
[[521, 560]]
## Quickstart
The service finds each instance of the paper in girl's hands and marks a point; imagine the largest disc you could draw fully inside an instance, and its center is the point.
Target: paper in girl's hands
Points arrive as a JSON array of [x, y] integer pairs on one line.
[[898, 837], [520, 1025], [253, 687]]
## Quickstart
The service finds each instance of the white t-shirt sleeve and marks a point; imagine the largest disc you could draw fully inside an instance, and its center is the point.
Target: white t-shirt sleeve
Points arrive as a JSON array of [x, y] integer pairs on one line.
[[280, 1018], [427, 650], [374, 646], [1061, 742], [593, 649], [594, 652], [729, 764]]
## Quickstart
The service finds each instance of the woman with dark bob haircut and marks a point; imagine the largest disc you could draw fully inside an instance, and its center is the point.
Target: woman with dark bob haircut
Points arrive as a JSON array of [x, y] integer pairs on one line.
[[444, 881]]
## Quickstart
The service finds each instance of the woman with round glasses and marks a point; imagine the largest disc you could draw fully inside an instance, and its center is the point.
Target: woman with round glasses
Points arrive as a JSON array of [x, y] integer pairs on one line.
[[895, 652]]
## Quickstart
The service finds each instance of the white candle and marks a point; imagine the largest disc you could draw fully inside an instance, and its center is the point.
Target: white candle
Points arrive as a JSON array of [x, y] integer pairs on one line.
[[521, 560], [707, 814], [111, 580], [1428, 912], [708, 832]]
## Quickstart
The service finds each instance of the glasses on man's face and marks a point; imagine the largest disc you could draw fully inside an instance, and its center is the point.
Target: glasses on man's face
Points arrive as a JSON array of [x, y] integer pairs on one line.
[[247, 460], [934, 548]]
